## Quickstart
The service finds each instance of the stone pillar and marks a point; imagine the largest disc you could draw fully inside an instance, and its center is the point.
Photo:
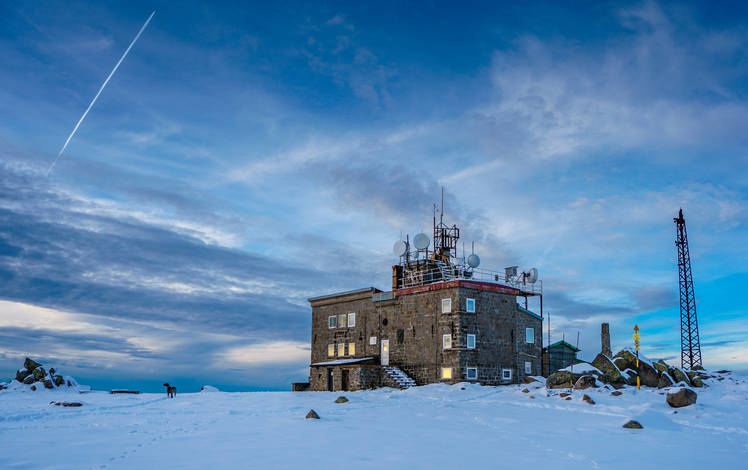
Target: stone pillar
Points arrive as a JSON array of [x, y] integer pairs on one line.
[[605, 339]]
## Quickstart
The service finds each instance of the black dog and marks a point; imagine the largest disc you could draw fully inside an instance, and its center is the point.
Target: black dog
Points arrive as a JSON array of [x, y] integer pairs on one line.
[[171, 392]]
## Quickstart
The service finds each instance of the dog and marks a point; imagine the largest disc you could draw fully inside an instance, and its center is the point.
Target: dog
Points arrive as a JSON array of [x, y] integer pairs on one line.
[[171, 392]]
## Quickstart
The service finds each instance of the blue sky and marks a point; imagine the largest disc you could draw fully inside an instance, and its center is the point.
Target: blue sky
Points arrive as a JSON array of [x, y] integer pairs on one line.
[[245, 158]]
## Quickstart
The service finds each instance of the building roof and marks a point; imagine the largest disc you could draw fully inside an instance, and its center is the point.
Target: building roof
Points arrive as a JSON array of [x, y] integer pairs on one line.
[[341, 294], [342, 361], [564, 343], [523, 309]]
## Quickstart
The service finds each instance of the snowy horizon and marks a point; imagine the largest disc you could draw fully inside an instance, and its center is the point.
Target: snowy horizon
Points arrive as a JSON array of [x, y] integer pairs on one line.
[[245, 158]]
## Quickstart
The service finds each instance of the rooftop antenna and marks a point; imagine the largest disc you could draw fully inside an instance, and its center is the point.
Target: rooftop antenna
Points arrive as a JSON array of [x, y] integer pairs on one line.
[[441, 217]]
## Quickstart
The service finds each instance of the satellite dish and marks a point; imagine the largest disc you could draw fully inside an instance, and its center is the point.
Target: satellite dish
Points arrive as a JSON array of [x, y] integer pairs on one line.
[[399, 248], [421, 241], [473, 260], [531, 276]]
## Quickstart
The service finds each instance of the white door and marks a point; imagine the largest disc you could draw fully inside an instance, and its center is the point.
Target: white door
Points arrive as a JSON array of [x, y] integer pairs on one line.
[[385, 359]]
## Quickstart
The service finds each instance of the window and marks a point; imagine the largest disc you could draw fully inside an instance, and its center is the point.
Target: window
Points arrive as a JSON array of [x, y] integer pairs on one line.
[[528, 368], [446, 305], [341, 349], [446, 373], [341, 320], [351, 349], [351, 320], [332, 321], [373, 340], [472, 373], [447, 341], [529, 335], [471, 341], [330, 349], [470, 305], [400, 336], [506, 374]]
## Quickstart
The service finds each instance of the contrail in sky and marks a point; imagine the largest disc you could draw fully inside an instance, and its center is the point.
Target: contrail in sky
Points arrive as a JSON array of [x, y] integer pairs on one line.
[[100, 90]]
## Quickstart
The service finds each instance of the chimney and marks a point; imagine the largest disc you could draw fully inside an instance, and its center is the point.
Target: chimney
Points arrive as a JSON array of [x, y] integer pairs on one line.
[[605, 339]]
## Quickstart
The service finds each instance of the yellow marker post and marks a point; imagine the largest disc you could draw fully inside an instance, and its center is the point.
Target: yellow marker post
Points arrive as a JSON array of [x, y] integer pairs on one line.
[[636, 345]]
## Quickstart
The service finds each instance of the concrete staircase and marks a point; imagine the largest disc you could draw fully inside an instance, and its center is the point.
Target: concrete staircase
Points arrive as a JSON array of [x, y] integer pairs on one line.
[[399, 377]]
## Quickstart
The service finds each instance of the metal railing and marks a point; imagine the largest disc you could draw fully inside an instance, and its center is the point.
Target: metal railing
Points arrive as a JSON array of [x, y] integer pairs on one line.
[[418, 276]]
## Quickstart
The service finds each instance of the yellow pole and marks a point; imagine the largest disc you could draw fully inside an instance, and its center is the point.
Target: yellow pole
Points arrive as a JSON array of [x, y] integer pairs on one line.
[[636, 345]]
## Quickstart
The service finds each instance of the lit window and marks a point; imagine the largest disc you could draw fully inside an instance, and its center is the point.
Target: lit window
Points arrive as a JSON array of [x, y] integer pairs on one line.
[[330, 349], [506, 374], [528, 368], [471, 341], [351, 320], [447, 341], [470, 305], [529, 335], [446, 373], [472, 373], [341, 320], [332, 321], [373, 340], [341, 349], [446, 305], [351, 349]]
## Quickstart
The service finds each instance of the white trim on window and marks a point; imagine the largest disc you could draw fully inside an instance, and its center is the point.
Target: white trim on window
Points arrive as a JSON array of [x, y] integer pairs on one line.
[[447, 341], [330, 350], [506, 374], [332, 321], [470, 343], [341, 349], [471, 373], [470, 305], [528, 367], [447, 305], [372, 340], [351, 349], [351, 319], [530, 335], [446, 373]]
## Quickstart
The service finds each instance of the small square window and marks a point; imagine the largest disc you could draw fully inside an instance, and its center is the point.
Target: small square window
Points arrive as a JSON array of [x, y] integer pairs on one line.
[[332, 321], [351, 320], [530, 335], [446, 305], [351, 349], [330, 349], [472, 373], [506, 374], [470, 305], [447, 341], [373, 340], [341, 349], [528, 368], [446, 373], [341, 320], [471, 341]]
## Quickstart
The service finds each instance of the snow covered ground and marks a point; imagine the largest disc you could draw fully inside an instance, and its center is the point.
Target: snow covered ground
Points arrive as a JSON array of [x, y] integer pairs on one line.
[[425, 427]]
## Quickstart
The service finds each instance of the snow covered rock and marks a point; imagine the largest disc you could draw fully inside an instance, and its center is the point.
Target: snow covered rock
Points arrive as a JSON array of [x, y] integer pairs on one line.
[[584, 382], [681, 397], [209, 388], [606, 366], [633, 425], [33, 377], [341, 400], [312, 415], [665, 380]]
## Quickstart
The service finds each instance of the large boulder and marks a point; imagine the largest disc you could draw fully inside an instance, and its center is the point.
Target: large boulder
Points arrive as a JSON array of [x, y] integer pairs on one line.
[[560, 379], [30, 364], [48, 384], [39, 373], [607, 367], [625, 359], [696, 382], [630, 376], [58, 380], [662, 367], [681, 397], [584, 382], [633, 425], [665, 381], [21, 374], [648, 374], [29, 380], [679, 376]]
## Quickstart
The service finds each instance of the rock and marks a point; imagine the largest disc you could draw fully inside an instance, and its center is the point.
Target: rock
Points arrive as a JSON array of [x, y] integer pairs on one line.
[[625, 359], [66, 404], [560, 379], [648, 375], [21, 374], [341, 400], [524, 390], [661, 367], [696, 382], [33, 388], [58, 380], [567, 398], [588, 399], [30, 364], [312, 415], [29, 380], [562, 395], [681, 397], [616, 393], [606, 366], [69, 384], [584, 382], [633, 425], [51, 371], [3, 386], [531, 396], [528, 380], [724, 371], [697, 368], [39, 373], [208, 389], [48, 384], [630, 376], [679, 376], [665, 381]]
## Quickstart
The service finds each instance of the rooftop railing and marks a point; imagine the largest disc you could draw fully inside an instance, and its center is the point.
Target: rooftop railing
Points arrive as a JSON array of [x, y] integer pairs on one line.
[[419, 276]]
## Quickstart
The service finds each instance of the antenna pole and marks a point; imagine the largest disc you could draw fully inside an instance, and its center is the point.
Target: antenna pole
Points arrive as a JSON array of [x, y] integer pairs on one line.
[[690, 347], [441, 217]]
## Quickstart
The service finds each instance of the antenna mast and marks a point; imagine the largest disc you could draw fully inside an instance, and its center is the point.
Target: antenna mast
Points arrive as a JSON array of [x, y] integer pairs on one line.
[[690, 347]]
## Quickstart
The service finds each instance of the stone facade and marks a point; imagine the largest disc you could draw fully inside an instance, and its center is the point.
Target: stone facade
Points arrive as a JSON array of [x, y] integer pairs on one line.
[[493, 339]]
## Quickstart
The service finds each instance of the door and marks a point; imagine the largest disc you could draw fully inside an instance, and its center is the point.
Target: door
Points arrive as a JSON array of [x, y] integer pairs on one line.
[[385, 359], [344, 379], [329, 379]]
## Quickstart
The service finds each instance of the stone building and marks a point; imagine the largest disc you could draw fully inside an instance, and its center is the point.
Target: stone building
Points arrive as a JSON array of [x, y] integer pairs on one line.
[[442, 322]]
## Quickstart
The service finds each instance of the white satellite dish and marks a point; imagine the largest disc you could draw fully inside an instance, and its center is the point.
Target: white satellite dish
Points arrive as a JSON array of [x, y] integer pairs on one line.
[[399, 248], [421, 241], [473, 260], [531, 276]]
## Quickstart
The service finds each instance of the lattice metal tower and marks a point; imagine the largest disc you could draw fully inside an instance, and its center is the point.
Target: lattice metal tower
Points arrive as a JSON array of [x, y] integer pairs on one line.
[[690, 348]]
